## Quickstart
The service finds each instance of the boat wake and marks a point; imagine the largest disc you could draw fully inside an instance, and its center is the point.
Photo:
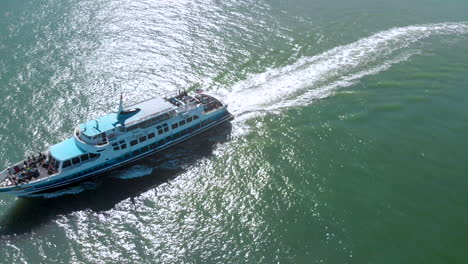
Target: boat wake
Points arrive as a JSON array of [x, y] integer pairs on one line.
[[312, 78], [319, 76]]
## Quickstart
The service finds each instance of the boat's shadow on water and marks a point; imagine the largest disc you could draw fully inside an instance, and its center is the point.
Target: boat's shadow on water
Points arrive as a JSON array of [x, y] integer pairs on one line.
[[102, 194]]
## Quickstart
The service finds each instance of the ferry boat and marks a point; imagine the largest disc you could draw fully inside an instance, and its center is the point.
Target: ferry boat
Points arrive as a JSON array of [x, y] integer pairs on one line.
[[114, 140]]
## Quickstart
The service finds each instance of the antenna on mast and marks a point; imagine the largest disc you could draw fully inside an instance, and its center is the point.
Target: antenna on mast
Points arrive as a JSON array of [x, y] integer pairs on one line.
[[121, 104]]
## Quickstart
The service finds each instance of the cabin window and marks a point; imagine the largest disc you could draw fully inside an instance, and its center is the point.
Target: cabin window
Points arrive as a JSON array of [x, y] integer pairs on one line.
[[144, 149], [93, 155], [195, 117], [151, 135], [116, 148], [124, 146], [160, 131], [189, 119], [142, 139], [66, 163], [133, 142], [114, 145], [153, 146], [132, 128], [145, 124], [84, 157], [174, 126], [181, 123], [76, 160], [161, 142]]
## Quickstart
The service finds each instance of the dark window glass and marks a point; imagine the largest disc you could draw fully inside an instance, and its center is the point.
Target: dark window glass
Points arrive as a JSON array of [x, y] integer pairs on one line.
[[132, 128], [133, 142], [160, 131], [84, 157], [114, 145], [76, 160], [145, 124], [142, 139], [121, 141], [124, 146], [151, 135], [164, 125], [181, 123], [153, 146], [116, 148], [92, 155], [166, 129], [137, 152], [66, 163], [144, 149], [174, 126], [161, 142], [195, 117], [158, 127], [189, 119]]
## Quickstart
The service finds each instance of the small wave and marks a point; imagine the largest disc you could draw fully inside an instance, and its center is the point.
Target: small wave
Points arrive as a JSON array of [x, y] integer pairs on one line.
[[319, 76], [133, 172], [71, 190]]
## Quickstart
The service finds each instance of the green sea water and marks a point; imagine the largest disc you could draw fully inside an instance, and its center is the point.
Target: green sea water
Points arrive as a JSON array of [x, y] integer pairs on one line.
[[349, 143]]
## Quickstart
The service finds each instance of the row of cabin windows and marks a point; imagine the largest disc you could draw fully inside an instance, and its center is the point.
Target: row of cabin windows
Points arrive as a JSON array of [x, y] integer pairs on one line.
[[79, 159], [120, 145], [142, 139], [161, 129], [183, 122], [150, 122], [162, 141], [158, 143]]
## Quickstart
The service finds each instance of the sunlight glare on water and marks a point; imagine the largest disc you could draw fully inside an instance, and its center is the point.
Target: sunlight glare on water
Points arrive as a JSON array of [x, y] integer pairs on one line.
[[293, 179]]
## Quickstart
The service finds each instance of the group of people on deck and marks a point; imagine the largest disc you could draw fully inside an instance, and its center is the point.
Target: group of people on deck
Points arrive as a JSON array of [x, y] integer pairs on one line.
[[29, 170]]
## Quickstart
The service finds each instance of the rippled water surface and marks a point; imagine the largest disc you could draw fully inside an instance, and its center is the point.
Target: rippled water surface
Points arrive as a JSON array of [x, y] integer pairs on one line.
[[348, 145]]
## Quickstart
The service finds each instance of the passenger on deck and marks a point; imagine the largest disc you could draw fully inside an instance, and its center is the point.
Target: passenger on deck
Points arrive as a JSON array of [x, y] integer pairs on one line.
[[50, 169], [13, 180], [46, 164]]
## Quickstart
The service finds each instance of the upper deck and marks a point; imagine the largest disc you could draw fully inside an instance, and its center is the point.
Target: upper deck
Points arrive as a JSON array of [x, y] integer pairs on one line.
[[110, 121]]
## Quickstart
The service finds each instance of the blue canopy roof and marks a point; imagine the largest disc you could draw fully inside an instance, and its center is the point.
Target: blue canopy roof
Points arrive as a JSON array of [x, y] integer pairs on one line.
[[102, 124], [65, 150]]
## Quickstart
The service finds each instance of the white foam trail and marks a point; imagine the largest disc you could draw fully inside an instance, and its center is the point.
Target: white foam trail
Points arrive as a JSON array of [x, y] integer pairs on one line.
[[134, 172], [71, 190], [318, 76]]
